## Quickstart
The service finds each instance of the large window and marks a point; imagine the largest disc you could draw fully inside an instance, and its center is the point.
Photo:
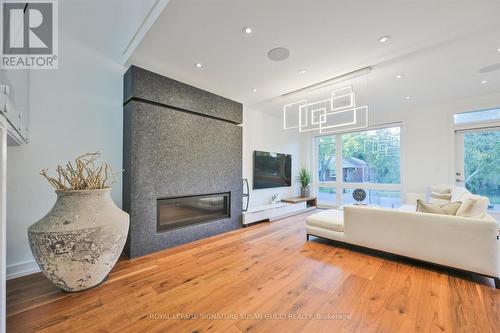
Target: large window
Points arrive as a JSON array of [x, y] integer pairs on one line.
[[368, 159], [326, 159], [371, 156]]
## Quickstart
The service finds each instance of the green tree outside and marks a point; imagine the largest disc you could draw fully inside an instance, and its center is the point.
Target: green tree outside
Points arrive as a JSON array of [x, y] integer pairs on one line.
[[482, 164], [380, 149]]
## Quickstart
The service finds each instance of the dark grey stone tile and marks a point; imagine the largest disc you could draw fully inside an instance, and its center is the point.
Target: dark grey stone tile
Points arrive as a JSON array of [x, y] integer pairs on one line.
[[168, 153], [140, 83]]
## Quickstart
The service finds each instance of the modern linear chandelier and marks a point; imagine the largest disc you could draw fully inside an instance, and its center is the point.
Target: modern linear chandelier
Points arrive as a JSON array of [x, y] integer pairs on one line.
[[337, 113]]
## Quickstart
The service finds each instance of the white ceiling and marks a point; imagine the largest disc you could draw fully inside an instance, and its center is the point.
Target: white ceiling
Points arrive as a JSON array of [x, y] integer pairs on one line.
[[437, 45]]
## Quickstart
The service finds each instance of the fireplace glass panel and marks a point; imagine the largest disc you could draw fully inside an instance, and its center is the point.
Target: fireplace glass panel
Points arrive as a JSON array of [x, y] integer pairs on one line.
[[185, 211]]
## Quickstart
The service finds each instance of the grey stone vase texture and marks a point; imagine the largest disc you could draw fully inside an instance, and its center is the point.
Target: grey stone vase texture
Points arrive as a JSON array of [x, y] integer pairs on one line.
[[184, 141], [79, 241]]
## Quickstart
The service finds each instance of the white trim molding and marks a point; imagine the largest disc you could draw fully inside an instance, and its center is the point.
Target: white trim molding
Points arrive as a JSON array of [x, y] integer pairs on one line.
[[3, 221], [150, 18], [22, 269]]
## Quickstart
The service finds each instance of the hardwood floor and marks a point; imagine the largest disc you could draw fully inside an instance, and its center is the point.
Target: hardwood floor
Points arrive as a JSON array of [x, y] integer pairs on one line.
[[265, 278]]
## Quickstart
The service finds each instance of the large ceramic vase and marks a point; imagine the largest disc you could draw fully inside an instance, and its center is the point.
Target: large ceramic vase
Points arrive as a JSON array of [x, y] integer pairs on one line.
[[79, 241]]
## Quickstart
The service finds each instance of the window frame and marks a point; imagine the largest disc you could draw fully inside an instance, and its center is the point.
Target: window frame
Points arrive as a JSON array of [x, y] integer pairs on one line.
[[475, 124], [339, 185]]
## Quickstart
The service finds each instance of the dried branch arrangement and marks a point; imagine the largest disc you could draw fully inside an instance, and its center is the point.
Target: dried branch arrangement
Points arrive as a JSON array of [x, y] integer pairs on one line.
[[83, 174]]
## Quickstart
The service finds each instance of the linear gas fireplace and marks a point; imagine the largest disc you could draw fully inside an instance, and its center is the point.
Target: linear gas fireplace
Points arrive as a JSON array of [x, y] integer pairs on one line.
[[180, 212]]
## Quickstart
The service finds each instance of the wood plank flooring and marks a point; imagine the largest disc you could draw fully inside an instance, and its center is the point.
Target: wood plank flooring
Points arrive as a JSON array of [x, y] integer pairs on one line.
[[265, 278]]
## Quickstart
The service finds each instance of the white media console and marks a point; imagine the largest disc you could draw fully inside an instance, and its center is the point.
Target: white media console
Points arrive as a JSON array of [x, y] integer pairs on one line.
[[272, 212]]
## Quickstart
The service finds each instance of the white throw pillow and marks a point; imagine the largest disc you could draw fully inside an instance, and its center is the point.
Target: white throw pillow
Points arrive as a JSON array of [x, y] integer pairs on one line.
[[473, 206], [441, 188], [438, 201], [457, 193], [438, 194]]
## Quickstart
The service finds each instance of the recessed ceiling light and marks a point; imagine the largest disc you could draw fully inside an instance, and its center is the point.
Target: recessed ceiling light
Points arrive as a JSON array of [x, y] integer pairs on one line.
[[407, 97], [247, 30], [484, 82], [198, 65], [254, 90], [399, 76], [302, 71], [384, 39], [498, 50]]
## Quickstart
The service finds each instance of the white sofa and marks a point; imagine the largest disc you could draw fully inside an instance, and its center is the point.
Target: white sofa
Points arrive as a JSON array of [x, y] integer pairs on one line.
[[470, 244]]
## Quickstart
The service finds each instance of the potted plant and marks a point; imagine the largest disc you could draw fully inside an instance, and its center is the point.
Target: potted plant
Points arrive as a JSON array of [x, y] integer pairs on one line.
[[305, 179], [79, 241]]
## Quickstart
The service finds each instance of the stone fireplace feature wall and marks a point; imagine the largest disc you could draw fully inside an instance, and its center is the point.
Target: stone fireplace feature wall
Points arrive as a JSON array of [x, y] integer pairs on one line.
[[178, 141]]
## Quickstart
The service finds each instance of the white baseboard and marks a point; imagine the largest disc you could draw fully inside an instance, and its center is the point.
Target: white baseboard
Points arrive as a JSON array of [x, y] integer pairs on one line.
[[22, 269]]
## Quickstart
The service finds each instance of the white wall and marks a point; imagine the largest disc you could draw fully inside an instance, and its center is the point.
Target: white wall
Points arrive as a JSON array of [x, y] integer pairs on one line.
[[262, 131], [74, 110]]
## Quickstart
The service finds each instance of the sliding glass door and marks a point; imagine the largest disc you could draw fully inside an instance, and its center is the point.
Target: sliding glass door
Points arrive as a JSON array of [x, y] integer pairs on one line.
[[366, 159]]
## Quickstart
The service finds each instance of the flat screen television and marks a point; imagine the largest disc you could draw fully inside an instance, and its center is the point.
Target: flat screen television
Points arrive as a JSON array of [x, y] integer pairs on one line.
[[271, 170]]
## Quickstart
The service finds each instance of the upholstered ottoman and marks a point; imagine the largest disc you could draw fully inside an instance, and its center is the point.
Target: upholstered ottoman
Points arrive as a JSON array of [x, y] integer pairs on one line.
[[331, 219], [326, 224]]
